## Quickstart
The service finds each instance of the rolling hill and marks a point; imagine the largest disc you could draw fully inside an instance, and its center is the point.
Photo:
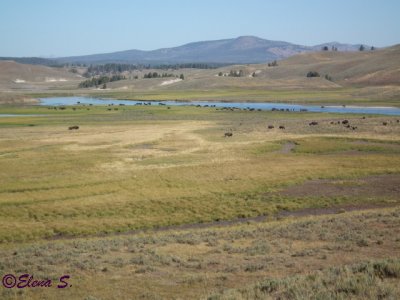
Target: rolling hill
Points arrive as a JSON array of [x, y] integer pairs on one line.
[[15, 75], [379, 67]]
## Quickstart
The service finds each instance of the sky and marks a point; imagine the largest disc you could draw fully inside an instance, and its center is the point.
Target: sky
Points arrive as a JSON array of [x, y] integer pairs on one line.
[[49, 28]]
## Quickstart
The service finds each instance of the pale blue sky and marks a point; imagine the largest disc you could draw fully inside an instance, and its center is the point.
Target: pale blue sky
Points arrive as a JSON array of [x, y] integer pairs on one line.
[[75, 27]]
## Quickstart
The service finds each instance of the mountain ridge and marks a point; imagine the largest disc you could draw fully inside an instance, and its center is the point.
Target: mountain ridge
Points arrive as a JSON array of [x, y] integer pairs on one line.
[[243, 49]]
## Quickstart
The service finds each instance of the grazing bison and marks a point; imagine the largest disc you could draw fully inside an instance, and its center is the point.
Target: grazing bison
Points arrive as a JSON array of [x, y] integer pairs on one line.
[[270, 126], [281, 127], [313, 123], [345, 122], [73, 127], [384, 123], [228, 134]]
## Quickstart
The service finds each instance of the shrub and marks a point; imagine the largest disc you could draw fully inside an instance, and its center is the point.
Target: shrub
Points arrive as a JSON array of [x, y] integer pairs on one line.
[[313, 74]]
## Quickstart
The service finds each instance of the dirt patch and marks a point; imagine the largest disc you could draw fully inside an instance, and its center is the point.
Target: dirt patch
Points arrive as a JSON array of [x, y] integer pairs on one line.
[[287, 147], [372, 186], [330, 210]]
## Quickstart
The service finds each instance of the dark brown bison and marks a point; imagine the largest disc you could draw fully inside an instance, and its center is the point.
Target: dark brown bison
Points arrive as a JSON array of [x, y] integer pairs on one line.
[[228, 134], [281, 127], [313, 123], [384, 123], [73, 127], [345, 122], [271, 127]]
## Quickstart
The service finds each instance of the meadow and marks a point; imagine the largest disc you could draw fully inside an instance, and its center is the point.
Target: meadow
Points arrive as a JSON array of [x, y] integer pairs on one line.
[[158, 203]]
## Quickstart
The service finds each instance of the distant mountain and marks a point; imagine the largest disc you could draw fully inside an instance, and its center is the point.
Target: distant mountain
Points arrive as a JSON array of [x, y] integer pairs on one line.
[[244, 49]]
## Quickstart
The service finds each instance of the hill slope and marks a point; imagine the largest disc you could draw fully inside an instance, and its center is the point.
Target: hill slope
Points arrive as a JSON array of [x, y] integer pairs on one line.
[[380, 67], [11, 71]]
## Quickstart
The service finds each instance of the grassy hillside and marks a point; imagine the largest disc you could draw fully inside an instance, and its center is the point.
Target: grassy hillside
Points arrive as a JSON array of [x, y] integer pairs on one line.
[[379, 67], [13, 74]]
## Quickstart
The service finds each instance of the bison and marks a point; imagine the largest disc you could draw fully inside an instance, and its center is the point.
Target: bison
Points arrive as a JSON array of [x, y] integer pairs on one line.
[[281, 127], [228, 134], [270, 126], [75, 127], [345, 122], [313, 123]]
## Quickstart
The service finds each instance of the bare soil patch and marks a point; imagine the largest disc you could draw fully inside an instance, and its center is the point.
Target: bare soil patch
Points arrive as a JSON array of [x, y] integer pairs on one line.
[[372, 186], [287, 147]]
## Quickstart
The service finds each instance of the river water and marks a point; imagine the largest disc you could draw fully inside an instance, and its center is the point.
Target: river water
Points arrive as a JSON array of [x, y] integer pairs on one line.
[[61, 101]]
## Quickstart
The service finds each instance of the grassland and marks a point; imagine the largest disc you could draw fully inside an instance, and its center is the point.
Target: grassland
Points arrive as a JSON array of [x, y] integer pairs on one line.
[[77, 201], [349, 255], [111, 174], [151, 202]]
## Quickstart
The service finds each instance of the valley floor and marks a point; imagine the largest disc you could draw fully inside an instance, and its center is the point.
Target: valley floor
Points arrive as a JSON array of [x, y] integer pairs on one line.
[[158, 204]]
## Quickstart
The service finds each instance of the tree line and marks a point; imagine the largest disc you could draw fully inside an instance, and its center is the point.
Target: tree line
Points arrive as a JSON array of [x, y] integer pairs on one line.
[[114, 68], [102, 80]]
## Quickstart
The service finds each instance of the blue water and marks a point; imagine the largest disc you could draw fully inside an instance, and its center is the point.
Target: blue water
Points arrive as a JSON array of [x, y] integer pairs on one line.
[[59, 101]]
